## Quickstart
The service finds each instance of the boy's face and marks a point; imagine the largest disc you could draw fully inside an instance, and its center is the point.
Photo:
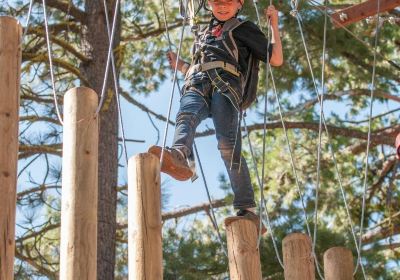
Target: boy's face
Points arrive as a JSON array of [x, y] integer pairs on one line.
[[224, 9]]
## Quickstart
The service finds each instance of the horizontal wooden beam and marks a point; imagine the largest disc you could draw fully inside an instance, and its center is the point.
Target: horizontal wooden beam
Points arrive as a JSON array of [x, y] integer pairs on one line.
[[361, 11]]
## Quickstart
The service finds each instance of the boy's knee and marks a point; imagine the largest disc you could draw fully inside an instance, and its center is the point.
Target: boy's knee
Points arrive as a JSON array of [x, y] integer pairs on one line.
[[226, 148], [187, 117]]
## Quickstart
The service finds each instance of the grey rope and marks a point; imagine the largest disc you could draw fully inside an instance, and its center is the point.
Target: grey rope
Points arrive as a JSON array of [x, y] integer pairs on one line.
[[109, 53], [320, 130], [27, 22], [296, 14], [173, 86], [261, 181], [49, 53], [213, 218], [359, 261], [117, 94], [290, 151]]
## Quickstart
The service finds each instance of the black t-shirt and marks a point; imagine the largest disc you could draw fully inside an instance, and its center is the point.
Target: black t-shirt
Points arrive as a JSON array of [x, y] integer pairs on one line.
[[249, 38]]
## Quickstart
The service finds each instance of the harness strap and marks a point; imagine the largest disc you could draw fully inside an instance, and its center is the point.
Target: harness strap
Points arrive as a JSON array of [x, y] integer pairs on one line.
[[203, 67]]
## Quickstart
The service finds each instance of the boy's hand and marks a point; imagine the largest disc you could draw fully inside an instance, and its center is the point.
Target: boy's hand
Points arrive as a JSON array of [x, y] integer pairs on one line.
[[182, 65], [171, 56], [272, 14]]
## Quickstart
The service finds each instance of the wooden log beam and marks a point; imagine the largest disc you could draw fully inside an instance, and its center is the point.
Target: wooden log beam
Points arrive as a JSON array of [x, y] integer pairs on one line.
[[78, 248], [338, 264], [361, 11], [144, 218], [297, 257], [243, 254], [10, 72]]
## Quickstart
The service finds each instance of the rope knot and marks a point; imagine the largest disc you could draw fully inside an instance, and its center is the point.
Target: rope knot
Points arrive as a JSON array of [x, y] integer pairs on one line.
[[294, 12]]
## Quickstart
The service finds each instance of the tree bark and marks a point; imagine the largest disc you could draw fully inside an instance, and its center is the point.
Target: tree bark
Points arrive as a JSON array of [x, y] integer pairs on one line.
[[96, 41]]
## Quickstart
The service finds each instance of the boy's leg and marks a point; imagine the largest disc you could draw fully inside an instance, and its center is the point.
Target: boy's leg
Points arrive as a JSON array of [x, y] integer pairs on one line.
[[193, 109], [226, 121], [226, 124]]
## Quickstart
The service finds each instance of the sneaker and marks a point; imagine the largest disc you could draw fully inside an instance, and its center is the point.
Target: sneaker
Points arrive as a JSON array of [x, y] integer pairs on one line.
[[252, 217], [174, 163]]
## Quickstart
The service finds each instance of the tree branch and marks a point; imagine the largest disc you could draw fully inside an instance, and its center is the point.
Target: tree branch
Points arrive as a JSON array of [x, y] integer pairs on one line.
[[380, 232], [385, 136], [33, 57], [133, 101], [68, 8], [26, 151], [63, 44], [187, 211]]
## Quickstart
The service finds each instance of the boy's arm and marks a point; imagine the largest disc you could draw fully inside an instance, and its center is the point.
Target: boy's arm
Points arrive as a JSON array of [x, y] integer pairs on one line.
[[277, 54], [182, 66]]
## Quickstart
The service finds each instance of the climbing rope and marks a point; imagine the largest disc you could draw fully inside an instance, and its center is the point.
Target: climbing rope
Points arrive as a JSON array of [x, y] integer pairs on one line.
[[173, 84], [260, 183], [359, 261], [358, 247], [49, 53], [213, 217], [296, 14], [269, 70], [109, 53], [116, 87], [261, 180], [321, 106], [27, 22]]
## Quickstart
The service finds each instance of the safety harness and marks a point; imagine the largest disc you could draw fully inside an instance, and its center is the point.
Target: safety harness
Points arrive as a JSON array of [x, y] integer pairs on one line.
[[241, 100]]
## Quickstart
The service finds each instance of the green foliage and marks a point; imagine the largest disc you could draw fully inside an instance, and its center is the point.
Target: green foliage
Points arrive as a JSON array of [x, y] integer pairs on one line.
[[142, 66]]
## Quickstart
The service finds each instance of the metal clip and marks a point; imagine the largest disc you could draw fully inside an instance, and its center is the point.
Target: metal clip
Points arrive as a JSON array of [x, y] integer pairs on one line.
[[343, 16]]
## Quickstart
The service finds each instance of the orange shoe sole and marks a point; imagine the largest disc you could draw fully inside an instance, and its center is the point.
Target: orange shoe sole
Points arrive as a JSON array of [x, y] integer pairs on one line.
[[169, 165]]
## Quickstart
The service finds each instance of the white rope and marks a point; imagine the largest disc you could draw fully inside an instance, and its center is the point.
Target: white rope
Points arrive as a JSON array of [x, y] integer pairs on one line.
[[359, 261], [291, 159], [27, 22], [173, 86], [261, 180], [49, 52], [212, 217], [320, 130], [110, 50], [260, 184], [117, 94], [296, 14]]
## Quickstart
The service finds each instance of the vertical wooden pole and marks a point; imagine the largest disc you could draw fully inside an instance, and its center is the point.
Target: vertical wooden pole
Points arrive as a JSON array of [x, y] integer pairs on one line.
[[297, 257], [10, 65], [79, 186], [338, 264], [243, 254], [144, 218]]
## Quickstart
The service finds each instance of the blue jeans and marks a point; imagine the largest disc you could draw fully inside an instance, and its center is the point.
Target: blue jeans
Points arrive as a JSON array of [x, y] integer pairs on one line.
[[200, 101]]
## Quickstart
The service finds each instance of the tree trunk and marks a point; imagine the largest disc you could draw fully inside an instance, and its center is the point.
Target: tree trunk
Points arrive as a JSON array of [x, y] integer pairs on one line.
[[95, 40]]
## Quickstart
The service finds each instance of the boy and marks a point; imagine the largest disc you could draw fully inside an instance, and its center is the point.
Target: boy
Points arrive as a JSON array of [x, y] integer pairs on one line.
[[214, 87]]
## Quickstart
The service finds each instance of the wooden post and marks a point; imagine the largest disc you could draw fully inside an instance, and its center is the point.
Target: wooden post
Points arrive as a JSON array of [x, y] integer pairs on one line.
[[78, 249], [362, 10], [144, 218], [10, 72], [243, 254], [338, 264], [297, 257]]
